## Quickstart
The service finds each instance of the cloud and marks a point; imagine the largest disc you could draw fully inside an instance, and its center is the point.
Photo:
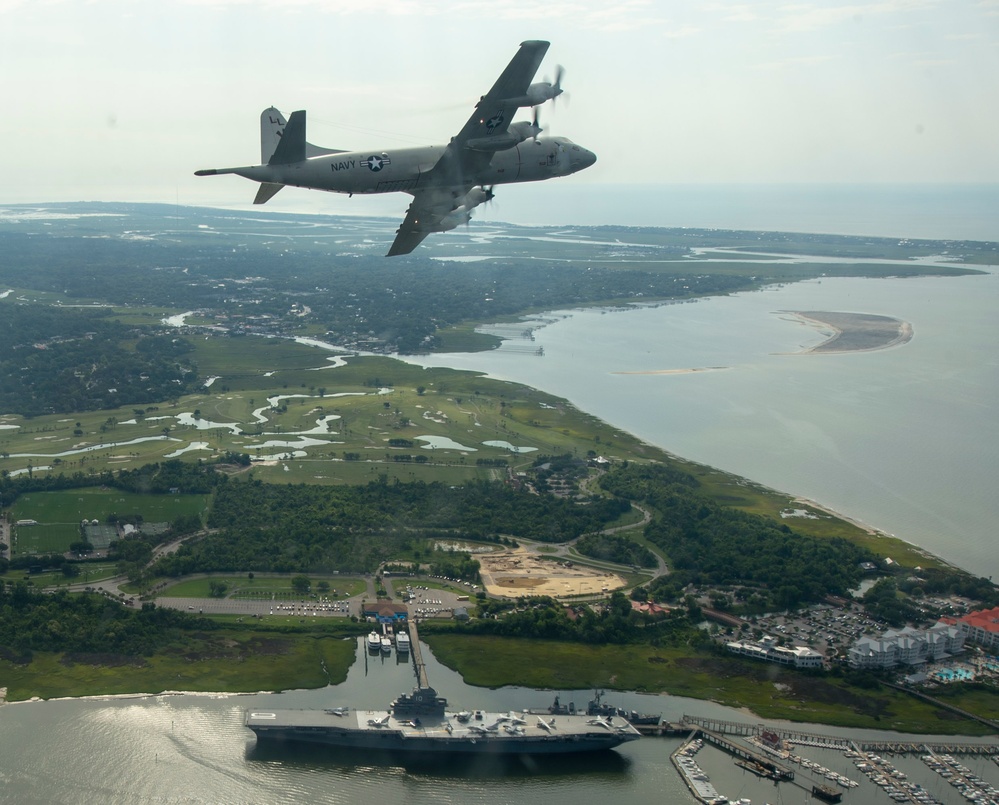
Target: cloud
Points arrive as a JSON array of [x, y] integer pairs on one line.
[[796, 61], [585, 14], [806, 17]]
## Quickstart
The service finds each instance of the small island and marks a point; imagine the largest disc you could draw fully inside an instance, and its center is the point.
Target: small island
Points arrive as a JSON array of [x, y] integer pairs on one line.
[[855, 332]]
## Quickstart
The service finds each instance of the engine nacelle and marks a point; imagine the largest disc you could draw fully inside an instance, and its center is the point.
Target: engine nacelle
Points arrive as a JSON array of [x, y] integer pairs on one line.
[[452, 221], [524, 130], [475, 197], [543, 91], [514, 135], [538, 93], [462, 212]]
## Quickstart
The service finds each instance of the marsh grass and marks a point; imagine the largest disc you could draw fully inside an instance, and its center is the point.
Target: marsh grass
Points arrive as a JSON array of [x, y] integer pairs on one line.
[[231, 661], [768, 691]]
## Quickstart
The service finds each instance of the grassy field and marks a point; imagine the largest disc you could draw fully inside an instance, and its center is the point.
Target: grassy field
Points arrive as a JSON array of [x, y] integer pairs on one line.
[[768, 691], [281, 406], [277, 403], [59, 514], [232, 661], [92, 573]]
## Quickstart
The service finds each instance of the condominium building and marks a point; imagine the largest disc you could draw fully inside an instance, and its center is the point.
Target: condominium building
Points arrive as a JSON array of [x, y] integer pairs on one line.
[[981, 627], [907, 646]]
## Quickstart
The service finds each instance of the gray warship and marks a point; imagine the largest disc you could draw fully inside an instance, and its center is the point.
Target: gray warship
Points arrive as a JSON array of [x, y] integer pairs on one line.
[[421, 723]]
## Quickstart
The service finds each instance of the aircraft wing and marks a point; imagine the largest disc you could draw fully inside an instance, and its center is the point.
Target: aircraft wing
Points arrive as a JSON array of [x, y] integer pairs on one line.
[[429, 208], [495, 110], [453, 175]]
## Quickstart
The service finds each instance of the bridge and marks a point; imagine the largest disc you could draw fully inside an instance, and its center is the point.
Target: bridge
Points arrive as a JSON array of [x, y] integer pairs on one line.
[[417, 654]]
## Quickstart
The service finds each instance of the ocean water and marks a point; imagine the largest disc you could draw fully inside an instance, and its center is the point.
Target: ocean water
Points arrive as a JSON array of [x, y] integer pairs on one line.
[[932, 211], [902, 439]]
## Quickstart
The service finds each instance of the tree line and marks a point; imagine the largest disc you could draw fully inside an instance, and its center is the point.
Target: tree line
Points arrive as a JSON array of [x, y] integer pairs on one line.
[[305, 528], [90, 623], [712, 545], [613, 622]]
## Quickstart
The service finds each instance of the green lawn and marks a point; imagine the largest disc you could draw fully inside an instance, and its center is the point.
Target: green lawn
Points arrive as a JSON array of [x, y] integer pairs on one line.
[[59, 514]]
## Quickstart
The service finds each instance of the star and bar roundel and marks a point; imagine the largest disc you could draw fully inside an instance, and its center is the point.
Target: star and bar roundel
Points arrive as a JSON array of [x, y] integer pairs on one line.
[[376, 163], [495, 122]]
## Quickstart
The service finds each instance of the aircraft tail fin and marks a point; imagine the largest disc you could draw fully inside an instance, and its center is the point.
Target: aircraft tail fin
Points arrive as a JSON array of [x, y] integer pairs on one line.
[[272, 130], [266, 192], [291, 146]]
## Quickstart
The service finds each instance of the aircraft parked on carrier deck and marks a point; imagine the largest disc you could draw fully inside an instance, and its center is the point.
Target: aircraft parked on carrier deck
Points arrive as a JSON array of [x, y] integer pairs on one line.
[[446, 181]]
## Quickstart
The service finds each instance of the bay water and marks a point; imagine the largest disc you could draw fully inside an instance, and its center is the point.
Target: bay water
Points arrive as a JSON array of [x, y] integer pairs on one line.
[[902, 439], [188, 748]]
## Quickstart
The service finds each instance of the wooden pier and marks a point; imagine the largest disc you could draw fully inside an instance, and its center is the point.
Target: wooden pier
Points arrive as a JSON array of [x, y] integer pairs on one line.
[[764, 762], [905, 748], [801, 738], [417, 654]]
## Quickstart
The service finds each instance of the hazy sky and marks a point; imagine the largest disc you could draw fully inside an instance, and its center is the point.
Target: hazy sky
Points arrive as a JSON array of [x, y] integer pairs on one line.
[[115, 100]]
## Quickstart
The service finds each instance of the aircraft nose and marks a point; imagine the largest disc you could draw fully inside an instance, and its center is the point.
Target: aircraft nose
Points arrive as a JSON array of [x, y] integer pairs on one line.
[[584, 159]]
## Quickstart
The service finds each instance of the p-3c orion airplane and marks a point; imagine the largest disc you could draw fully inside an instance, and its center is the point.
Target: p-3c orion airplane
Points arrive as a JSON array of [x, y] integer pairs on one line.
[[446, 181]]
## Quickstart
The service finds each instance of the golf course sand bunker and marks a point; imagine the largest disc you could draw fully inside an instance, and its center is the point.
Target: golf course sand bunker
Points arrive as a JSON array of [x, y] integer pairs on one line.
[[520, 573]]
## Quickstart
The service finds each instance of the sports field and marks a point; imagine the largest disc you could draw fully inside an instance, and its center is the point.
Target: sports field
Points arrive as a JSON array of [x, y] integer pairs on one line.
[[58, 515]]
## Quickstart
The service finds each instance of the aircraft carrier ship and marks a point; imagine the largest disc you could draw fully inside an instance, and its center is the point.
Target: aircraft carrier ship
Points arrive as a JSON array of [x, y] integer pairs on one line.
[[421, 722]]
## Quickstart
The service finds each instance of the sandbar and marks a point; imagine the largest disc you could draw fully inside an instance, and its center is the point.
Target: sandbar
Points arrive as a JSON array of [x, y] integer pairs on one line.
[[853, 332], [673, 371]]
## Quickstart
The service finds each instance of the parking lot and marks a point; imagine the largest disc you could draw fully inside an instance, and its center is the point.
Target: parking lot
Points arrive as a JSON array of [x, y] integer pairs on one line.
[[422, 601], [319, 608], [825, 628]]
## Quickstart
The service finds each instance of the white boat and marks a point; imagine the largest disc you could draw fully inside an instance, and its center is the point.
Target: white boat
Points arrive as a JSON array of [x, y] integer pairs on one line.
[[374, 641], [386, 644], [402, 642]]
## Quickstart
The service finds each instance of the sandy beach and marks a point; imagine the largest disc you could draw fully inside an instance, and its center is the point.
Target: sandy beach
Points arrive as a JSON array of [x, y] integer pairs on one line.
[[853, 332]]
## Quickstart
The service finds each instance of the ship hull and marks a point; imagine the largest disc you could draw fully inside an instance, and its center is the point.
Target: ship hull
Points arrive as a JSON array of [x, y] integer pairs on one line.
[[569, 734]]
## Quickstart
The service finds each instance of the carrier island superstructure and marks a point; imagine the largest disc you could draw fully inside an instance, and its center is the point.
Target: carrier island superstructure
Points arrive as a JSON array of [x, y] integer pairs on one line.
[[421, 722]]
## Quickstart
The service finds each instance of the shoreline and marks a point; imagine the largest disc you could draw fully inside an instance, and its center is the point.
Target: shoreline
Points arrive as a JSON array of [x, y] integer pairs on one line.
[[95, 697], [874, 531]]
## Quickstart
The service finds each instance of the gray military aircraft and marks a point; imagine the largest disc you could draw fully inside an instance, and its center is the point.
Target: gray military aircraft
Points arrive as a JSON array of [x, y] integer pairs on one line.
[[446, 181]]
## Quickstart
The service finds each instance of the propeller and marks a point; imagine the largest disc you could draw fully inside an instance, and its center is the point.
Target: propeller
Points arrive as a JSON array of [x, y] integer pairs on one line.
[[488, 196], [557, 83]]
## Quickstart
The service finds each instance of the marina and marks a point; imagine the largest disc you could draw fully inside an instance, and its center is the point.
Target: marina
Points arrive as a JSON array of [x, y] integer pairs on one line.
[[769, 754]]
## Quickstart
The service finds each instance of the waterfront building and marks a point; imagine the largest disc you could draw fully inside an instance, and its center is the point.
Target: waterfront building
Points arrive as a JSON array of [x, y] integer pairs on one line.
[[768, 651], [385, 612]]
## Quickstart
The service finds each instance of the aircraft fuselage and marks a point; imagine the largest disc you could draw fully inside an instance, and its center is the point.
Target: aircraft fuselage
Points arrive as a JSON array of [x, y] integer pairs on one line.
[[406, 168]]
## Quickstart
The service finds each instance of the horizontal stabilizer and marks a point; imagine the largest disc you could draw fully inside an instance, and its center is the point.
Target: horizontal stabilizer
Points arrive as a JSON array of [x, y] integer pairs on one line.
[[291, 148], [266, 192]]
